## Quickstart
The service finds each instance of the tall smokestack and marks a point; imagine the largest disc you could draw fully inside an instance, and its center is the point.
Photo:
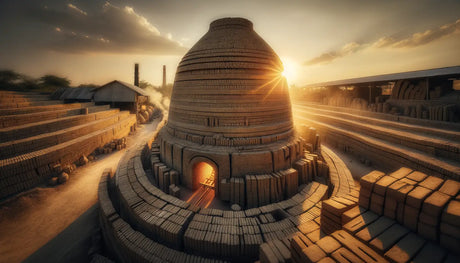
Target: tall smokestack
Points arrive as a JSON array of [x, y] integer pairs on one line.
[[164, 76], [136, 74]]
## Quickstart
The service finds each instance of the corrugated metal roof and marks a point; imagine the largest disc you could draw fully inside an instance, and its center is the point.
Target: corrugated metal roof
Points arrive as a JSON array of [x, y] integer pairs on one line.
[[130, 86], [392, 77]]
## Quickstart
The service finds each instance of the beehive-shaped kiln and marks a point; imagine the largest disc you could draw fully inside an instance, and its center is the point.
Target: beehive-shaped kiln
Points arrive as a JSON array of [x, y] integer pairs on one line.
[[230, 107]]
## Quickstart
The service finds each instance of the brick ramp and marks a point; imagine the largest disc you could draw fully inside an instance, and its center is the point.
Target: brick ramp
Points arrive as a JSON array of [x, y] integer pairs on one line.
[[44, 126], [19, 119], [28, 170], [340, 179], [436, 146], [38, 142], [387, 153]]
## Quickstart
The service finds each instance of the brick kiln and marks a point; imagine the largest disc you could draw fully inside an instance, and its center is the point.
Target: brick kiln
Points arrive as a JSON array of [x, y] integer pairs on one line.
[[230, 110]]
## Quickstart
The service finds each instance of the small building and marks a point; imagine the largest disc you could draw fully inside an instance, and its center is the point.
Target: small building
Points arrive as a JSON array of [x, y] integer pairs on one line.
[[121, 95]]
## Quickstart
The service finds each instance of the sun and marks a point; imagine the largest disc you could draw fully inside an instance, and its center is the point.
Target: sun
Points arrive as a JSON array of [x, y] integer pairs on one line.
[[290, 69]]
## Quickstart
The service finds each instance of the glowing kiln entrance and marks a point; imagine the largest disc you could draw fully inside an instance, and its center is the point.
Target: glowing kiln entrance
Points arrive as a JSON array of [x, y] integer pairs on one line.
[[204, 177]]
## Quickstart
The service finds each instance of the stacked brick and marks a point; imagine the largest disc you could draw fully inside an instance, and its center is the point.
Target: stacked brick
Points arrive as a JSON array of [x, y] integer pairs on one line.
[[30, 150], [418, 201], [364, 135], [265, 189], [165, 178], [332, 210]]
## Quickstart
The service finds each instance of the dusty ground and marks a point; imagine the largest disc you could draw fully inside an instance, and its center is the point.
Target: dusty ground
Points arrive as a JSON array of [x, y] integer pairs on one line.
[[55, 224]]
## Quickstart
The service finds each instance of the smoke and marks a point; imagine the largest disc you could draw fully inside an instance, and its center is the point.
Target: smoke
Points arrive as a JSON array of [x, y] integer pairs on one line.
[[158, 99]]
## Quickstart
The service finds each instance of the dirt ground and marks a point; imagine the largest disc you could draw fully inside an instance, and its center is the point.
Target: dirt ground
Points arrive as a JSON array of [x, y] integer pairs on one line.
[[55, 224]]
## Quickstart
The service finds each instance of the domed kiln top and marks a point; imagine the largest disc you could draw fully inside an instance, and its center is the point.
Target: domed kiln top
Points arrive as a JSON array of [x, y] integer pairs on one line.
[[229, 89]]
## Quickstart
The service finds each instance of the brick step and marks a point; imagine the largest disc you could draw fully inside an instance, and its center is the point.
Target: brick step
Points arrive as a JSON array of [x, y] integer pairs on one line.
[[437, 147], [37, 128], [438, 133], [25, 171], [33, 109], [387, 153], [35, 143], [70, 110], [385, 116]]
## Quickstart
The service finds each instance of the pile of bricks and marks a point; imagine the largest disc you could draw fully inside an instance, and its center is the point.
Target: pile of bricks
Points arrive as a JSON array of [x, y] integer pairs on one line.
[[424, 204], [332, 210], [163, 176]]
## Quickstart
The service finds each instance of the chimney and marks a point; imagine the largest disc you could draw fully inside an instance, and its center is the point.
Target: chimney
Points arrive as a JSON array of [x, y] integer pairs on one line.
[[164, 76], [136, 74]]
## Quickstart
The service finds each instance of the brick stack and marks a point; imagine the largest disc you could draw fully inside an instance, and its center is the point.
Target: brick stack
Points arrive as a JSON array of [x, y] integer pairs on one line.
[[331, 213], [415, 200]]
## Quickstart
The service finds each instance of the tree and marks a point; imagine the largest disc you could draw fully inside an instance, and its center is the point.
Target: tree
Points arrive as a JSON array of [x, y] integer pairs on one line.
[[55, 81]]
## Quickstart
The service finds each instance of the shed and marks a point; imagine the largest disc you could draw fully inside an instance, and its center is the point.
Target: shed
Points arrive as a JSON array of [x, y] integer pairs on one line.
[[121, 95]]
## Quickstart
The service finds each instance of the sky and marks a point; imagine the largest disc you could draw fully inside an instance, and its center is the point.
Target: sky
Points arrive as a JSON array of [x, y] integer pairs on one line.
[[95, 41]]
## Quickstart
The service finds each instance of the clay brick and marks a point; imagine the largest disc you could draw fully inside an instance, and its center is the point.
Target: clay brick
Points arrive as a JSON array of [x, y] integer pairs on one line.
[[369, 179], [434, 204], [328, 244], [381, 185], [450, 230], [450, 187], [405, 249], [343, 255], [388, 238], [352, 213], [449, 242], [416, 176], [451, 213], [401, 173], [416, 197], [411, 217], [427, 231], [431, 182], [361, 250], [360, 222], [374, 229], [313, 253], [430, 253]]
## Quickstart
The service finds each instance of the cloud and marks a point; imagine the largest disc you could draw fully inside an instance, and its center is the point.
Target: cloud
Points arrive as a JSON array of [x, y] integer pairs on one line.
[[108, 29], [77, 9], [415, 40], [328, 57]]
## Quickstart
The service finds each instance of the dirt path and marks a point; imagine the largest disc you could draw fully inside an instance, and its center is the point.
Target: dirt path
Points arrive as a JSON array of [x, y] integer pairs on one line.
[[31, 220]]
